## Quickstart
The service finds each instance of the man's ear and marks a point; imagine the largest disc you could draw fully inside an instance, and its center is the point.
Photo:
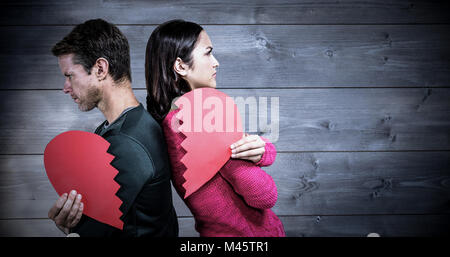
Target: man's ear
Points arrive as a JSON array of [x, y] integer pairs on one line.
[[101, 68], [180, 67]]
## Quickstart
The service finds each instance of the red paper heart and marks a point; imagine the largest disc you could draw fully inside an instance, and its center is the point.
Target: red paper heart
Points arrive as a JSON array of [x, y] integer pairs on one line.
[[211, 123], [79, 160]]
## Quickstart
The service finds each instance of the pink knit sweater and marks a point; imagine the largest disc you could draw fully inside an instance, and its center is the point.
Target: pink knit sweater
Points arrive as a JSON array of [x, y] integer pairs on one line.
[[236, 201]]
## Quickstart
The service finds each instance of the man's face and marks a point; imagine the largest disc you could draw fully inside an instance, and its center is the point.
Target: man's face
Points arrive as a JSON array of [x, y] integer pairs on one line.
[[79, 84]]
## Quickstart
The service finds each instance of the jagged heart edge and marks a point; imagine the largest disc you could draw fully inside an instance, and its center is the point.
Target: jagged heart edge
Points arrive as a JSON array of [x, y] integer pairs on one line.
[[185, 151], [117, 180]]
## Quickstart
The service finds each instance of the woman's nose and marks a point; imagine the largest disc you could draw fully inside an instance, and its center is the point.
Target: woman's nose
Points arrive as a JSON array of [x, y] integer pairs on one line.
[[216, 63]]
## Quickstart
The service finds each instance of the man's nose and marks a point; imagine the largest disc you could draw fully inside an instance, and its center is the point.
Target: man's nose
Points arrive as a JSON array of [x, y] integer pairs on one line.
[[67, 88]]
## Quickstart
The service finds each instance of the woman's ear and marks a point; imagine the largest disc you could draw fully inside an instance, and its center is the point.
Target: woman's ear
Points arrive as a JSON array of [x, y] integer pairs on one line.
[[101, 68], [180, 67]]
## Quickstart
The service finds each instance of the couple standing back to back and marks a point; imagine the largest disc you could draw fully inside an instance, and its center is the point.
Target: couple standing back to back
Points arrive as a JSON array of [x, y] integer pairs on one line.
[[95, 60]]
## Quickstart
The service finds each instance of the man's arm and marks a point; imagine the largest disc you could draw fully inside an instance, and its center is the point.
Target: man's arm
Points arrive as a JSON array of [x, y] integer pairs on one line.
[[135, 168]]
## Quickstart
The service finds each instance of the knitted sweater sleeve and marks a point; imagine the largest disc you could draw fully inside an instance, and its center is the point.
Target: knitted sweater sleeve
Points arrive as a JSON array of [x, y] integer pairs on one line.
[[248, 180], [256, 186], [268, 157]]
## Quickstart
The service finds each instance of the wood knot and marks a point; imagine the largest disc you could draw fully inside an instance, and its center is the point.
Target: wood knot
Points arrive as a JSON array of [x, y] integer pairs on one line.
[[328, 125], [263, 43], [386, 119], [318, 218], [316, 164], [380, 186], [388, 39], [393, 138]]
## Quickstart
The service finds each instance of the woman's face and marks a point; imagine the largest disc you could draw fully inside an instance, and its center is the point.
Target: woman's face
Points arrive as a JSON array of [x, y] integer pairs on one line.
[[202, 72]]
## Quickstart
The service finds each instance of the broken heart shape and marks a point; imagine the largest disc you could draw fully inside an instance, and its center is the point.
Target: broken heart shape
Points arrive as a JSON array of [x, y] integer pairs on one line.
[[79, 160], [211, 123]]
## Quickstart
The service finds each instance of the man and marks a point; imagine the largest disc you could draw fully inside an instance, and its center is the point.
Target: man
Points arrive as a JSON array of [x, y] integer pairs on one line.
[[95, 59]]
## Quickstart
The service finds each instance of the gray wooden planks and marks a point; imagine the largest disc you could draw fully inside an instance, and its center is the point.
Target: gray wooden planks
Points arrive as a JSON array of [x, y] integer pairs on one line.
[[338, 119], [26, 192], [295, 226], [343, 183], [364, 110], [50, 12], [362, 225], [29, 228], [356, 183], [270, 56], [47, 228]]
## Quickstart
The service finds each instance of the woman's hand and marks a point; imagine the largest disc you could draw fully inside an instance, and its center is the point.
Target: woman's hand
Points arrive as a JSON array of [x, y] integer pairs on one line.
[[250, 147]]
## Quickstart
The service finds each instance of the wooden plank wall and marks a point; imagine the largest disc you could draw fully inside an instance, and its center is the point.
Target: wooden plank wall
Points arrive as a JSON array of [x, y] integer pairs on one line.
[[364, 104]]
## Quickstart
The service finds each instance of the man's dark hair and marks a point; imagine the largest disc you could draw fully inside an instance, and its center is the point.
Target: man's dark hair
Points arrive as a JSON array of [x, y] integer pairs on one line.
[[95, 39]]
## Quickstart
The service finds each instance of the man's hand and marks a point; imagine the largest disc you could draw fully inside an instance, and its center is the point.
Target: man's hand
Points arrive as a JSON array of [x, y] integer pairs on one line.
[[67, 211], [250, 147]]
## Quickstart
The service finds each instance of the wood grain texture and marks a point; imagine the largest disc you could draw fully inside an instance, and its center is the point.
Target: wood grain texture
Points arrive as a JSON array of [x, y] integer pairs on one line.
[[229, 12], [26, 192], [363, 89], [295, 226], [47, 228], [362, 183], [361, 226], [270, 56], [309, 119], [357, 183], [29, 228]]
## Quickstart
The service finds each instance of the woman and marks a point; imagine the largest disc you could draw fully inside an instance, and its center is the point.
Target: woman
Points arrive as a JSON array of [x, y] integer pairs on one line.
[[237, 200]]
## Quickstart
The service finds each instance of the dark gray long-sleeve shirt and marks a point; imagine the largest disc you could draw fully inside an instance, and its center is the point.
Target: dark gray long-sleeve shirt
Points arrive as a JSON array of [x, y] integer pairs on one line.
[[137, 142]]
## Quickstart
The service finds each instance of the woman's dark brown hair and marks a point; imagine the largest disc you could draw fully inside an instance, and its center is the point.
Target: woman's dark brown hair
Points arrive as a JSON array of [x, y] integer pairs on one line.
[[170, 40]]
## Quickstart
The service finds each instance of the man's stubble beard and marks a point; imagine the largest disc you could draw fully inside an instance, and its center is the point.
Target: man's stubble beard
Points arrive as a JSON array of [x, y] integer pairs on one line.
[[91, 101]]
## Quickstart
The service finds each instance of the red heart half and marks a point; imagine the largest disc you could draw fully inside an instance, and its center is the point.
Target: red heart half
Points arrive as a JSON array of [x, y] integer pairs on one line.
[[79, 160], [211, 123]]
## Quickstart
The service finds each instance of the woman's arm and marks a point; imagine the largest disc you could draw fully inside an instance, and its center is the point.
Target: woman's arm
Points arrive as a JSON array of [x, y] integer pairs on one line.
[[256, 186], [254, 148], [269, 155]]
